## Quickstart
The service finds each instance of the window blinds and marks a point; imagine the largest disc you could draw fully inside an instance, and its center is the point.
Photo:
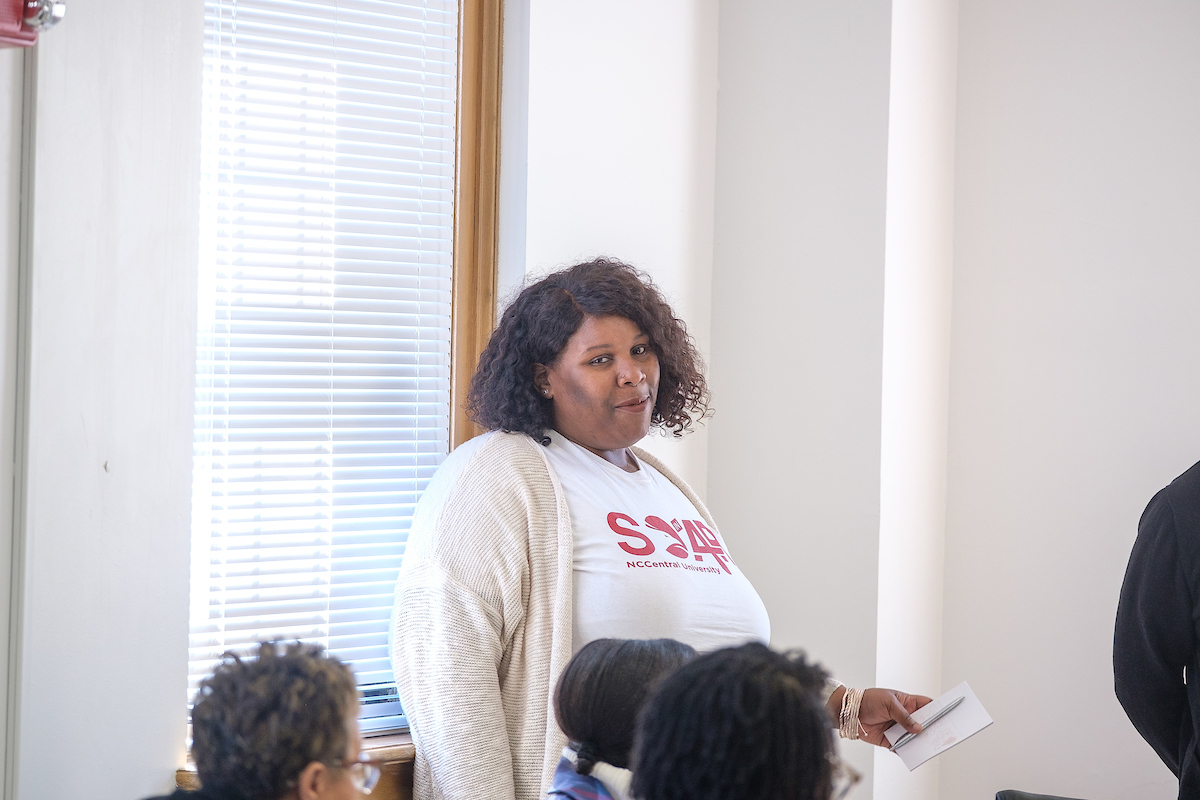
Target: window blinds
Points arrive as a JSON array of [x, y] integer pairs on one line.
[[322, 391]]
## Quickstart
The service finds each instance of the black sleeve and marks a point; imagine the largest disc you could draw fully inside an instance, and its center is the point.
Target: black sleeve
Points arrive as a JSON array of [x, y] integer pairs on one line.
[[1155, 635]]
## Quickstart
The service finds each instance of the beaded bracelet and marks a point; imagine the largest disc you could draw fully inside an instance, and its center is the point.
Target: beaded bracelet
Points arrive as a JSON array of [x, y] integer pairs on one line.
[[848, 719]]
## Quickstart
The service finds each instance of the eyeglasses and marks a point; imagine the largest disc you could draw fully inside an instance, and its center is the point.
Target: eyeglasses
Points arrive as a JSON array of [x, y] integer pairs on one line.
[[844, 777], [364, 772]]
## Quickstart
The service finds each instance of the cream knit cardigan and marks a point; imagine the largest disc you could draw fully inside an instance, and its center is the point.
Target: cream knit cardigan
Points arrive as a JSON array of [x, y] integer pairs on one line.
[[483, 620]]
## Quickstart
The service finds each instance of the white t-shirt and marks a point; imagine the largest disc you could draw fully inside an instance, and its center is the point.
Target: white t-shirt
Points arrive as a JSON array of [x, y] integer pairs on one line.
[[646, 566]]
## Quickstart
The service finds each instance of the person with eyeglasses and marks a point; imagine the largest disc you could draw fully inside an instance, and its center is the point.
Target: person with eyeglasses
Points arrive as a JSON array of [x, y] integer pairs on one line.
[[741, 723], [279, 726]]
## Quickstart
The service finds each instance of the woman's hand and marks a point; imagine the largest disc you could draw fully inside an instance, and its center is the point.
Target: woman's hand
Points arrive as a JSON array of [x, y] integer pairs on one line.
[[878, 711], [882, 708]]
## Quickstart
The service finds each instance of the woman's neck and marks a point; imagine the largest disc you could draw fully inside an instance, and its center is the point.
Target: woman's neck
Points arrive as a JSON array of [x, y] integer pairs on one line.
[[622, 458]]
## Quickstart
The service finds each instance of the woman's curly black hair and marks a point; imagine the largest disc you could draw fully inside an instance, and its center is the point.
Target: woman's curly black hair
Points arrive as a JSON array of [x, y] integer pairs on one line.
[[744, 723], [535, 328], [601, 690], [257, 723]]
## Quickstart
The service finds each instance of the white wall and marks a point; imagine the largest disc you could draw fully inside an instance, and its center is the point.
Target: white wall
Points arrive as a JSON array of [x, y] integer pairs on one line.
[[514, 152], [112, 339], [622, 106], [1048, 149], [1074, 379], [797, 302], [918, 276]]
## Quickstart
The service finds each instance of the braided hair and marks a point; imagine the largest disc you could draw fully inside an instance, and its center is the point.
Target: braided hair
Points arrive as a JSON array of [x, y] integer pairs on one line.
[[601, 690], [744, 723]]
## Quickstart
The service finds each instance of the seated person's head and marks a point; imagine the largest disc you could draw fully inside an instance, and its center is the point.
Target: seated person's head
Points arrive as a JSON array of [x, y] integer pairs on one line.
[[744, 723], [284, 724], [601, 690]]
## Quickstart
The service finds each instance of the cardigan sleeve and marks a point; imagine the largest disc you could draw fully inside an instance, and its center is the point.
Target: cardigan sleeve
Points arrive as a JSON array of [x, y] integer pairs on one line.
[[1155, 637], [447, 654], [459, 603]]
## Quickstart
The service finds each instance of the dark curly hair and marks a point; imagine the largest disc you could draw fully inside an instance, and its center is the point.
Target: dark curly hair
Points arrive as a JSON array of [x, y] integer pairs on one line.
[[603, 687], [744, 723], [535, 328], [257, 723]]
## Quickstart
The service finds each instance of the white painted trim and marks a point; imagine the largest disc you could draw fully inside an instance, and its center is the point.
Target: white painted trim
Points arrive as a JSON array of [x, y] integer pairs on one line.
[[16, 531]]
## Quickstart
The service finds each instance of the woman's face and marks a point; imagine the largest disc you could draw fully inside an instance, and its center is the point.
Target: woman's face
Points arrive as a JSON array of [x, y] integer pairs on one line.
[[603, 385]]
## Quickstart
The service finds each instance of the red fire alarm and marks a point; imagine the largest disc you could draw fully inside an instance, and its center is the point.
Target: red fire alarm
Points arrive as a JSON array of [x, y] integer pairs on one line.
[[21, 20]]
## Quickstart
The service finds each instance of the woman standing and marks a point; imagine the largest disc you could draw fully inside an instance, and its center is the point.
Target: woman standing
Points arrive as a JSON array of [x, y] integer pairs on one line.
[[552, 530]]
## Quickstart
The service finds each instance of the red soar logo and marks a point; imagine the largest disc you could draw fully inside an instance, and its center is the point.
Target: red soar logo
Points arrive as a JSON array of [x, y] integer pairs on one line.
[[702, 538]]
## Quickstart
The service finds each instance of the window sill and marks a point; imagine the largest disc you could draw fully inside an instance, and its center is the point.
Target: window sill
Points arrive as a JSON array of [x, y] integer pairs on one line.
[[396, 751]]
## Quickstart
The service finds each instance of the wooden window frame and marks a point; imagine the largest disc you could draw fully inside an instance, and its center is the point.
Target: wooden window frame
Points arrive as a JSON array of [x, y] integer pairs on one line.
[[476, 201], [474, 260]]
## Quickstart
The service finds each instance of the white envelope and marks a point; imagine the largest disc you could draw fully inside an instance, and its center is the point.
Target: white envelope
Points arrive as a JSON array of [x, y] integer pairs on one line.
[[968, 719]]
